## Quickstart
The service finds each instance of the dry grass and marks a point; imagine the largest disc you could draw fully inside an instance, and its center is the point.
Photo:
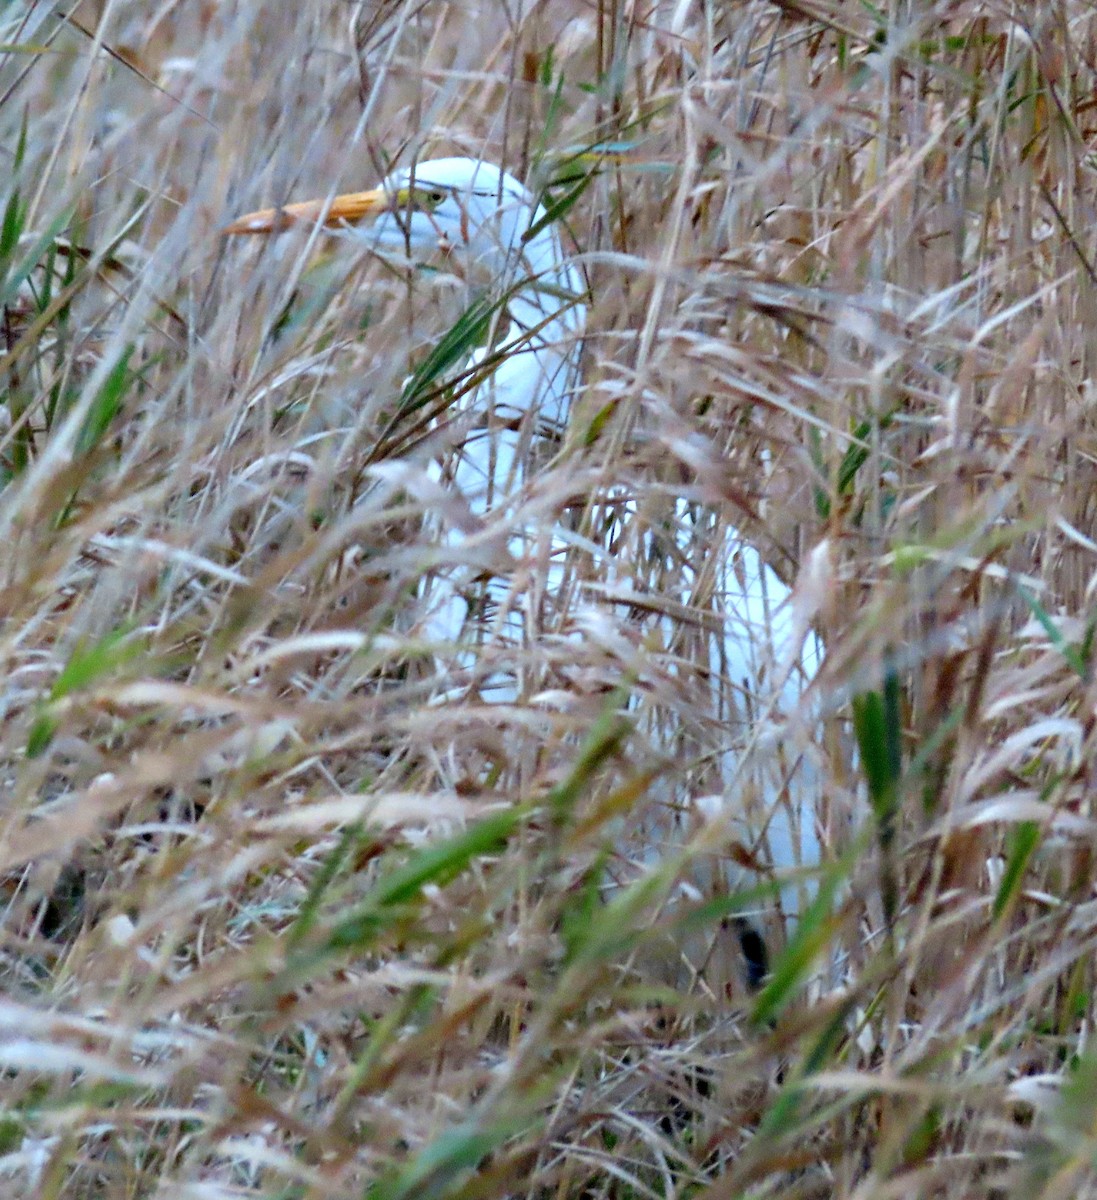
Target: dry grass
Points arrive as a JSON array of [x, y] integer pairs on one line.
[[291, 912]]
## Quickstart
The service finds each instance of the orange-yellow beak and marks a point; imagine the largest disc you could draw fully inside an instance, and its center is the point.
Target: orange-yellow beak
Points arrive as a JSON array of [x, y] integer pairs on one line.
[[347, 209]]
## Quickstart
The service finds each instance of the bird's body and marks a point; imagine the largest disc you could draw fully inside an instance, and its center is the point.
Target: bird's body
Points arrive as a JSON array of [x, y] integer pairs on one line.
[[492, 231], [479, 218], [529, 298]]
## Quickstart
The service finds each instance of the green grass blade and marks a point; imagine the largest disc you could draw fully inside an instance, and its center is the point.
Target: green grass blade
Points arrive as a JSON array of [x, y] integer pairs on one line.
[[15, 279], [877, 724], [556, 209], [107, 403], [1072, 657], [86, 665], [1023, 844], [401, 889], [446, 1161], [467, 334]]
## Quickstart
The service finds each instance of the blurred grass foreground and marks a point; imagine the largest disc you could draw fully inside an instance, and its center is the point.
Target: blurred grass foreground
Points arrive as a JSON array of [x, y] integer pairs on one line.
[[296, 902]]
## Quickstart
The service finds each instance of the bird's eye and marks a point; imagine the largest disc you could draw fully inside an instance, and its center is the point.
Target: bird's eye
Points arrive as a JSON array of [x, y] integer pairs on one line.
[[426, 199]]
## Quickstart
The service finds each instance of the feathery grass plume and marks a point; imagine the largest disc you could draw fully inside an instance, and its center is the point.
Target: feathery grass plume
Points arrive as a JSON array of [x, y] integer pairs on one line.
[[290, 911]]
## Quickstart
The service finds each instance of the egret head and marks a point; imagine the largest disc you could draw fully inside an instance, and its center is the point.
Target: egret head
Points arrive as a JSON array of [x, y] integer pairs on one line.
[[460, 207], [456, 205]]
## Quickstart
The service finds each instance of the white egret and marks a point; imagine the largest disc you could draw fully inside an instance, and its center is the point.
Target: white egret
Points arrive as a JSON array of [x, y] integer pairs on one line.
[[492, 230], [479, 219]]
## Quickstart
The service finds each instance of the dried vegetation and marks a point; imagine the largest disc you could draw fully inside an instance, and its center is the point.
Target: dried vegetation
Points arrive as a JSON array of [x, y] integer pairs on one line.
[[291, 906]]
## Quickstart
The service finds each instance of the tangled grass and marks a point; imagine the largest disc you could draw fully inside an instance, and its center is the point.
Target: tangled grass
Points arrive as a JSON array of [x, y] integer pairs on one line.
[[290, 908]]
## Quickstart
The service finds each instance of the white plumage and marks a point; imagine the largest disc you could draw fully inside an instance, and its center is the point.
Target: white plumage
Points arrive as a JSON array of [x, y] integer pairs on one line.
[[491, 230]]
